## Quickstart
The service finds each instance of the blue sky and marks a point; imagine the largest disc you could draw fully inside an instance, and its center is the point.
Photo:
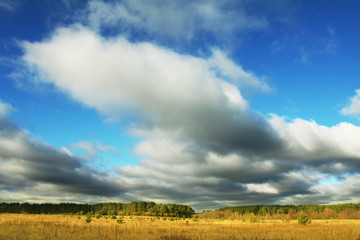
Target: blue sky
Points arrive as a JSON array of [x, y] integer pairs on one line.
[[201, 102]]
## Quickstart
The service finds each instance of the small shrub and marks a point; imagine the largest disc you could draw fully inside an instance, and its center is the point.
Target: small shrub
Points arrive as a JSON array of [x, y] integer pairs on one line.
[[113, 217], [88, 219], [195, 219], [254, 219], [286, 219], [120, 221], [304, 219]]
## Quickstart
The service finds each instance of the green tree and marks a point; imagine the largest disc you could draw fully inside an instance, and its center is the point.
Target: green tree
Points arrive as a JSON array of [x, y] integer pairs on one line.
[[88, 218], [304, 218]]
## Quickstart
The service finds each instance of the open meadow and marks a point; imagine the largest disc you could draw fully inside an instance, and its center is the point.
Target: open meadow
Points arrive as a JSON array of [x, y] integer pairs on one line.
[[46, 227]]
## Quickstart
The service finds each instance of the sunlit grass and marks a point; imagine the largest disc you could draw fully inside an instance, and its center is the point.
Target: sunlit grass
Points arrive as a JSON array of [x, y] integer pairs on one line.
[[36, 227]]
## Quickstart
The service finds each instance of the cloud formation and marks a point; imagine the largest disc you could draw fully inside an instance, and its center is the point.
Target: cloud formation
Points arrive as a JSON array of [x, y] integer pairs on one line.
[[167, 90], [9, 5], [308, 140], [183, 20], [201, 142], [90, 151], [27, 163], [5, 109], [354, 107]]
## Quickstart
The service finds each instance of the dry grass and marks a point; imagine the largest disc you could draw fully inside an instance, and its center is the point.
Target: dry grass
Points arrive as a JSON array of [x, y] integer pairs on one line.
[[46, 227]]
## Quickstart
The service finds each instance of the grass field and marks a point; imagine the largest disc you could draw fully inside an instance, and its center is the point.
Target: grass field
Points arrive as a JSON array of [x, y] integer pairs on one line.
[[48, 227]]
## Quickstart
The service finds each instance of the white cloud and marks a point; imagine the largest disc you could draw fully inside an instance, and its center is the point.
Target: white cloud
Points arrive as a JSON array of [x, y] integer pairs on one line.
[[71, 61], [9, 5], [92, 149], [67, 151], [354, 107], [5, 109], [153, 148], [345, 188], [309, 140], [229, 69], [331, 44], [176, 19], [101, 14], [262, 188]]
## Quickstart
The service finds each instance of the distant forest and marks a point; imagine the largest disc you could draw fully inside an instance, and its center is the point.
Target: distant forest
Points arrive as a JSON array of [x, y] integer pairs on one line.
[[334, 211], [343, 211], [280, 209], [134, 208]]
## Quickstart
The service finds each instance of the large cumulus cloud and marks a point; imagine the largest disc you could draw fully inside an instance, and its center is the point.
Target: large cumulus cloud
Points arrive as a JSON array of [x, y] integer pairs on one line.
[[169, 90]]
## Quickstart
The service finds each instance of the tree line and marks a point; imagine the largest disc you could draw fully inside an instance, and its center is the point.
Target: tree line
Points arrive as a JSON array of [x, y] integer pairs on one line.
[[133, 208], [345, 210], [332, 211], [263, 210]]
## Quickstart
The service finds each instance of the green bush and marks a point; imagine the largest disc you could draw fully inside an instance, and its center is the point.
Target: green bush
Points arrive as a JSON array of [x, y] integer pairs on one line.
[[304, 219], [120, 221], [88, 219], [286, 219], [254, 219]]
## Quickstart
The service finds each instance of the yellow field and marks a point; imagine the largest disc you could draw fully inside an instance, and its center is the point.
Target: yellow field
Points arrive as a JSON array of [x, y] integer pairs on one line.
[[49, 227]]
